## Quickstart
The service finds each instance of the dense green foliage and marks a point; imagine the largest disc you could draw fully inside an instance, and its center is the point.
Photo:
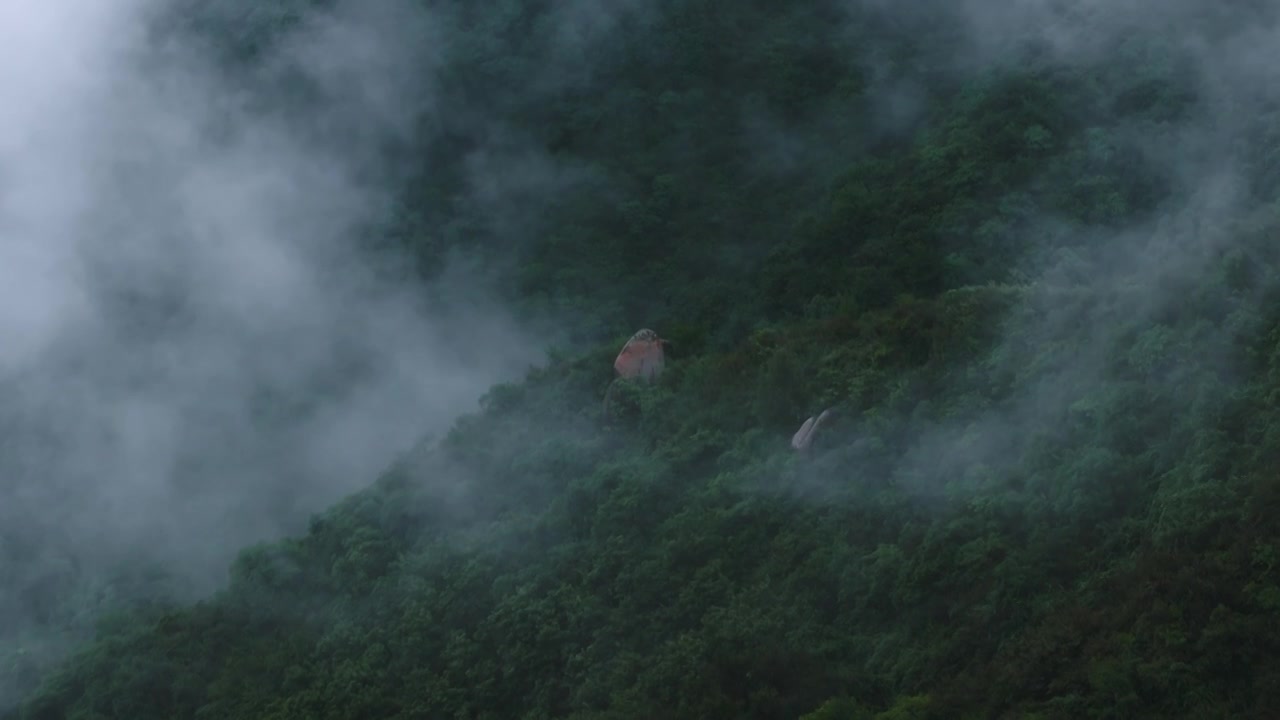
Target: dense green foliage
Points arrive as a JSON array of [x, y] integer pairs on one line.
[[1047, 489]]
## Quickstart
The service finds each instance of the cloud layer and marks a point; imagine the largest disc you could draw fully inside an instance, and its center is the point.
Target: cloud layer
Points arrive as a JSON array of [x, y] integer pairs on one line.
[[198, 349]]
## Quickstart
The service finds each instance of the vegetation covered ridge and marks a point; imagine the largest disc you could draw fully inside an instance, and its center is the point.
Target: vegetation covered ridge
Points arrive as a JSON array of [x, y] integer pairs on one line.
[[1040, 307]]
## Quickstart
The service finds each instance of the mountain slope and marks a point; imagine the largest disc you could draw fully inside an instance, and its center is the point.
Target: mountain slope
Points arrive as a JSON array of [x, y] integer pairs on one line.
[[1041, 314]]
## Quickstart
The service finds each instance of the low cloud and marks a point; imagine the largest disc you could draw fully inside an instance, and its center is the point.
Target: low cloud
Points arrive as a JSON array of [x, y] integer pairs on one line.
[[197, 347]]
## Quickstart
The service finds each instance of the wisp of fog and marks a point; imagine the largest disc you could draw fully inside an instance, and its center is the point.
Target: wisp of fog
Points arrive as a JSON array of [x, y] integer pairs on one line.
[[1087, 290], [195, 352]]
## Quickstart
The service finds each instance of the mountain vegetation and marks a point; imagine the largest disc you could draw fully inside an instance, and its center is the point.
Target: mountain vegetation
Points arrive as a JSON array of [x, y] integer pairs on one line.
[[1035, 284]]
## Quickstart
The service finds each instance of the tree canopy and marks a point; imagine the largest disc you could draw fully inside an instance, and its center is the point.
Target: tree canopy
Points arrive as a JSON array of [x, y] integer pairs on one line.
[[1035, 286]]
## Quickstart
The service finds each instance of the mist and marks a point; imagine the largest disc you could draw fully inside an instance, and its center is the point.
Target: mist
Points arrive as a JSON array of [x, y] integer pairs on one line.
[[200, 349], [1088, 329]]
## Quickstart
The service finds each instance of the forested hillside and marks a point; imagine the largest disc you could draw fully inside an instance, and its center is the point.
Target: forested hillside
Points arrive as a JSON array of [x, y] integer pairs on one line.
[[1027, 259]]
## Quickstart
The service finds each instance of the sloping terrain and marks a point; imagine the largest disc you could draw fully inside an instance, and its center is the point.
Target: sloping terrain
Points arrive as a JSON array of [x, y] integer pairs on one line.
[[1033, 280]]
